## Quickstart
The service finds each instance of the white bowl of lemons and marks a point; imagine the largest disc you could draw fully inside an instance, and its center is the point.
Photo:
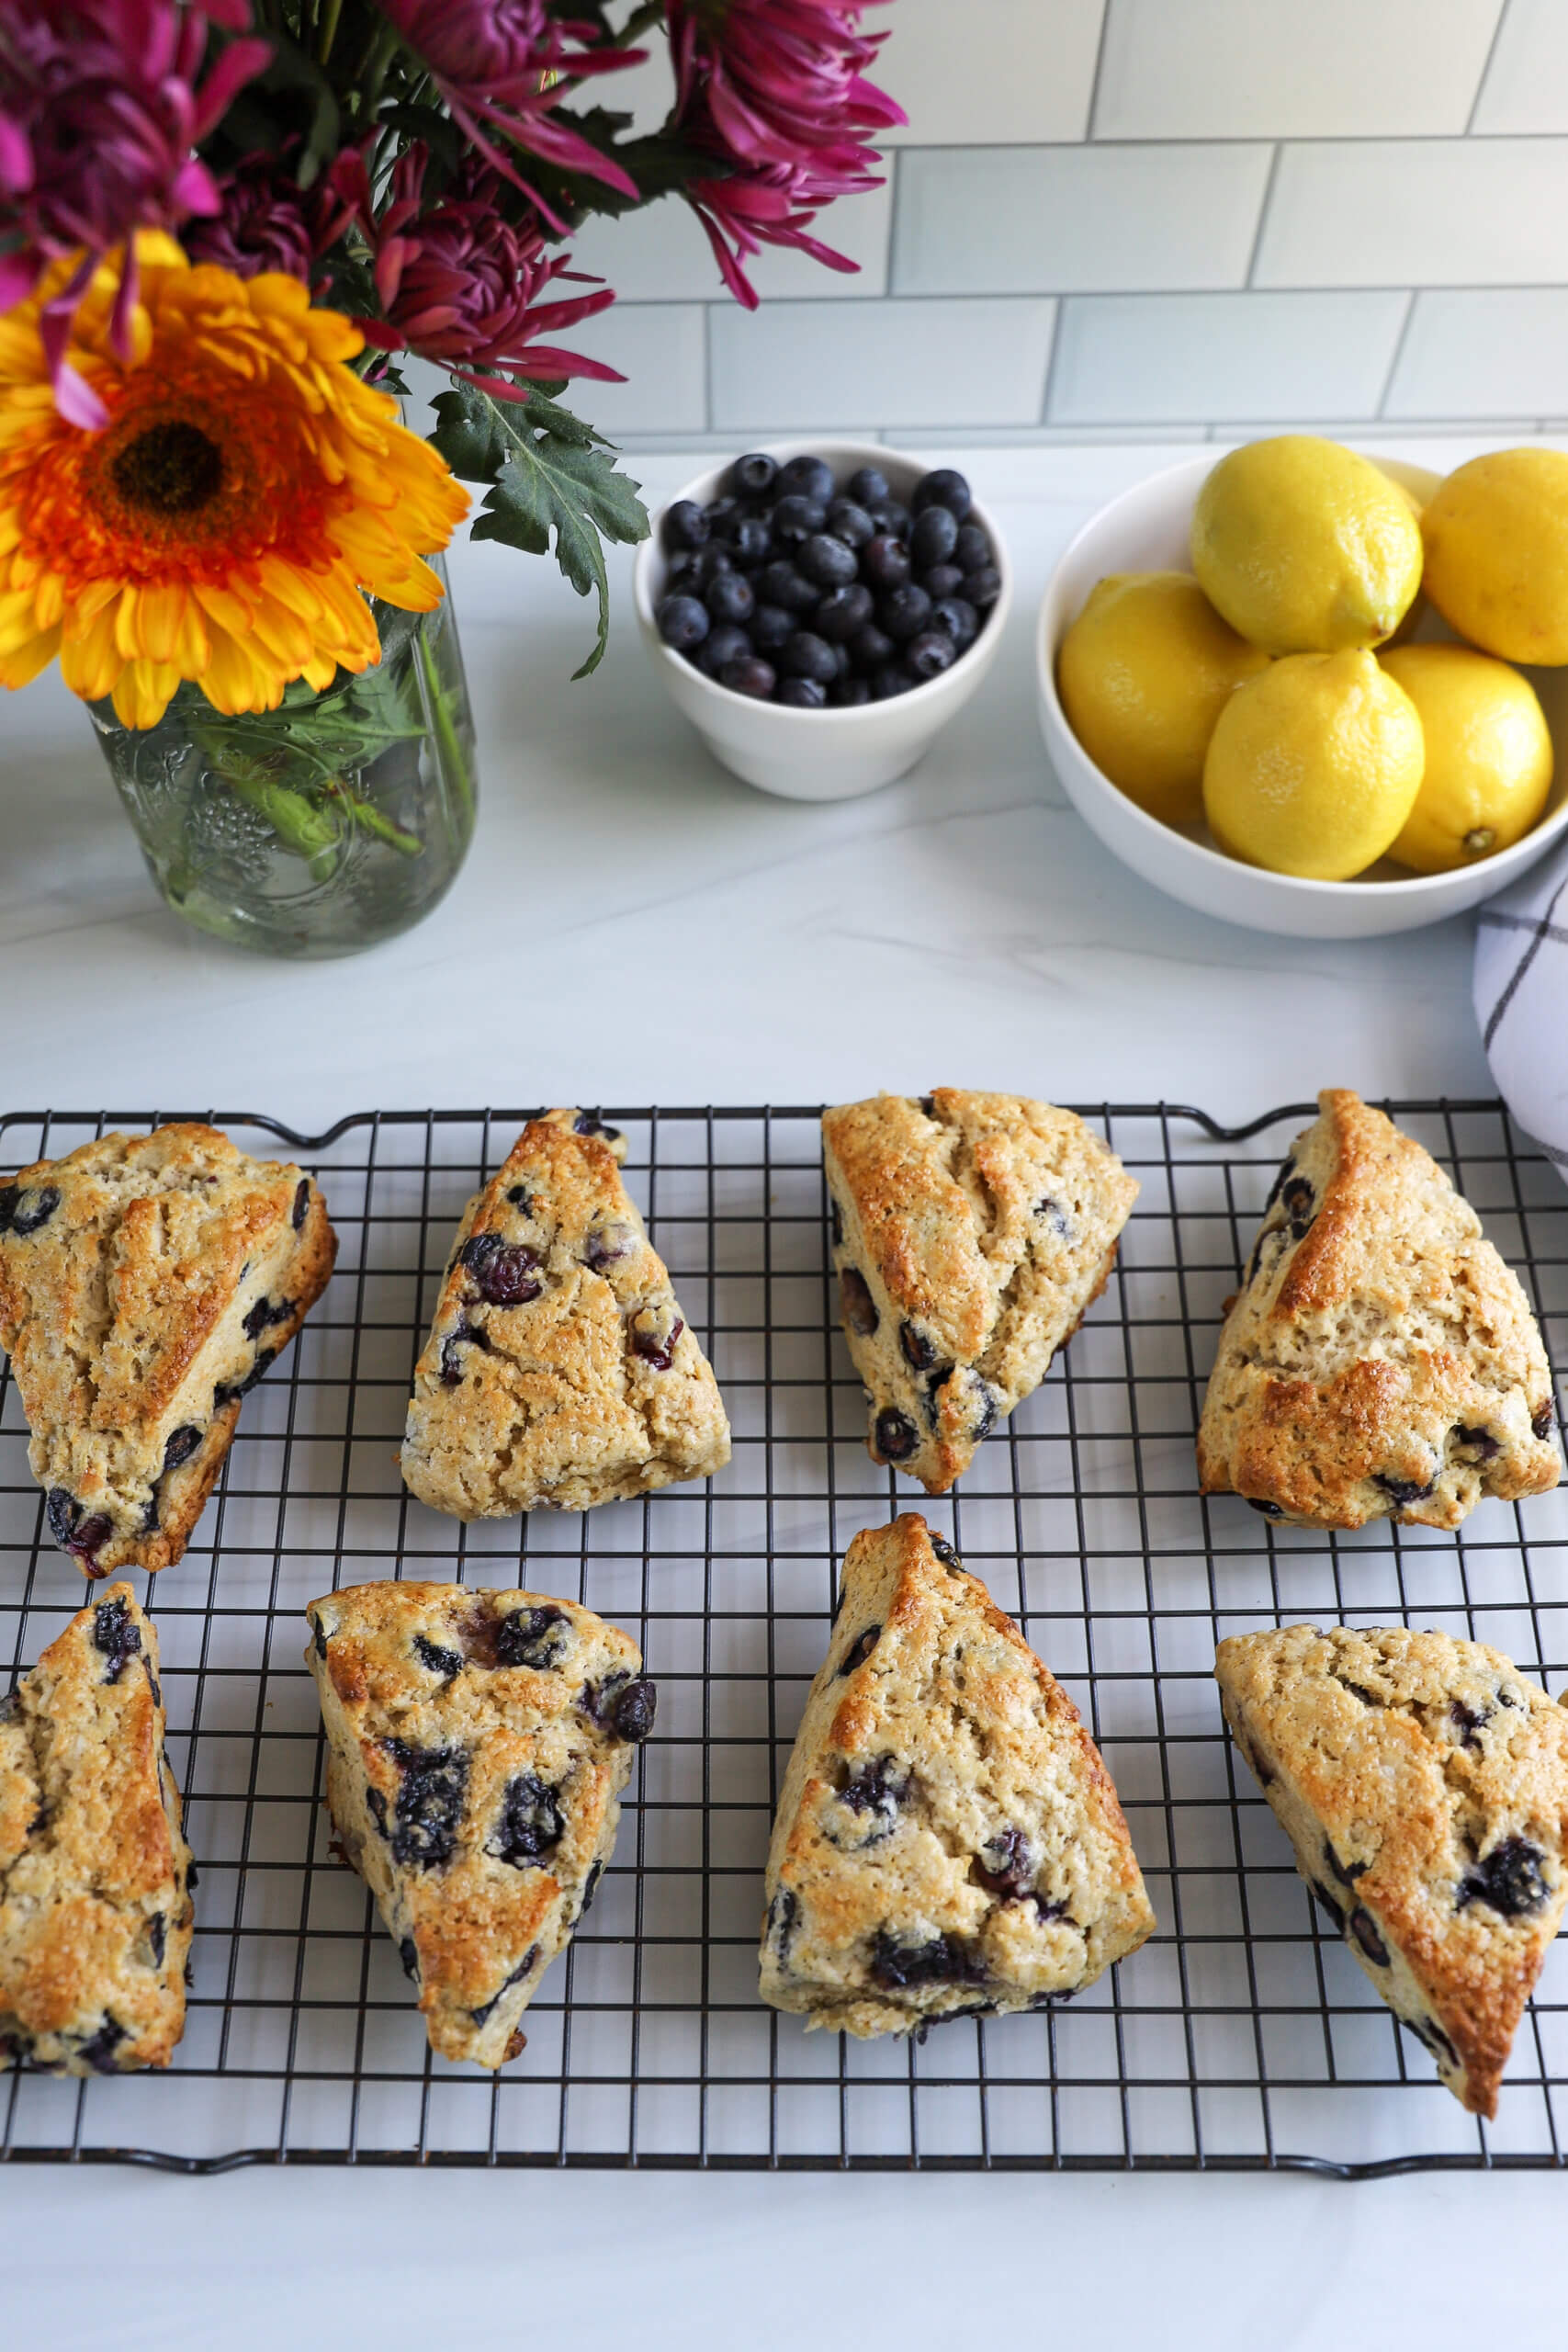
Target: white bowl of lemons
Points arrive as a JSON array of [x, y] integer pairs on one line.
[[1341, 762]]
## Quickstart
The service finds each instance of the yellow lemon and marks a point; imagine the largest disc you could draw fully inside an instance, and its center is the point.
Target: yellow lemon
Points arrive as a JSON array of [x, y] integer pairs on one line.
[[1313, 766], [1144, 673], [1496, 536], [1488, 756], [1304, 546]]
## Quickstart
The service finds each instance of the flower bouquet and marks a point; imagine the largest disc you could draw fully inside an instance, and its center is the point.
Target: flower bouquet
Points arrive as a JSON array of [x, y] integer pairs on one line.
[[222, 229]]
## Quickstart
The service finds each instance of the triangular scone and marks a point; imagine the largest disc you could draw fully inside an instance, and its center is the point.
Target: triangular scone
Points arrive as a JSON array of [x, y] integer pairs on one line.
[[948, 1842], [95, 1872], [477, 1743], [970, 1232], [146, 1283], [560, 1368], [1424, 1784], [1380, 1360]]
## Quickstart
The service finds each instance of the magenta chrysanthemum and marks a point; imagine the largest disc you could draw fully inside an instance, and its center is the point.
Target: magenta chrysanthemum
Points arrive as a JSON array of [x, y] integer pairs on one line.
[[100, 110], [265, 220], [502, 67], [459, 284], [775, 91]]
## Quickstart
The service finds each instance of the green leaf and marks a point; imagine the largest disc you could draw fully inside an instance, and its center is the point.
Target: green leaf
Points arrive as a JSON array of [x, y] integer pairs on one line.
[[546, 471]]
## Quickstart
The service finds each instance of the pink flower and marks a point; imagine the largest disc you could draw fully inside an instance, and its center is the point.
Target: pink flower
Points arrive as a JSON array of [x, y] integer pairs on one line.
[[459, 283], [265, 220], [100, 114], [502, 67], [775, 91]]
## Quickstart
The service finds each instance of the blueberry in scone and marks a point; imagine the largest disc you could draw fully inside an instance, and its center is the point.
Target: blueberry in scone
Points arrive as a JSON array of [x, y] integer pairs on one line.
[[146, 1285], [948, 1842], [477, 1745], [1423, 1783], [970, 1235], [96, 1913], [559, 1370], [1380, 1360]]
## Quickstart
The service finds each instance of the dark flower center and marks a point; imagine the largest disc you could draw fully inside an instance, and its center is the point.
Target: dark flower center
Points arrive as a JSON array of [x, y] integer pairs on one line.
[[172, 468]]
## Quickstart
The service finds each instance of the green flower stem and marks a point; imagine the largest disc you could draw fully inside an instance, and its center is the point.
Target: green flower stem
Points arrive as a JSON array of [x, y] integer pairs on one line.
[[452, 758], [302, 830], [330, 15], [364, 813]]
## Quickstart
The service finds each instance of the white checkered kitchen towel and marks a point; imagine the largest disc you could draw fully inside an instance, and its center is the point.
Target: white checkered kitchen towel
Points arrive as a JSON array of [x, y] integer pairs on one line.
[[1521, 1001]]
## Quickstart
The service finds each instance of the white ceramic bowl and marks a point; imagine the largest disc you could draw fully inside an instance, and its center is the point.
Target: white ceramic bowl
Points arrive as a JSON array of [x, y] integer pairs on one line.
[[817, 755], [1146, 530]]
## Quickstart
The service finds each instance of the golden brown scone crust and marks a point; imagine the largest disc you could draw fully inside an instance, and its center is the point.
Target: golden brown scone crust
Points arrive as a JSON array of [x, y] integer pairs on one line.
[[592, 1386], [96, 1913], [948, 1842], [478, 1743], [146, 1282], [1423, 1783], [971, 1233], [1380, 1360]]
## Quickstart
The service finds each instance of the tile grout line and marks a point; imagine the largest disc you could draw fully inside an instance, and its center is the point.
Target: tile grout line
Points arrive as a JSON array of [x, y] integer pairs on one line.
[[1399, 343], [1059, 317], [1265, 207], [1486, 65], [1089, 130]]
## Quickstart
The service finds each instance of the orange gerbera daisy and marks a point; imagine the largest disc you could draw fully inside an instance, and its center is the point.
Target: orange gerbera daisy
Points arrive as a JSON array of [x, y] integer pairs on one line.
[[227, 523]]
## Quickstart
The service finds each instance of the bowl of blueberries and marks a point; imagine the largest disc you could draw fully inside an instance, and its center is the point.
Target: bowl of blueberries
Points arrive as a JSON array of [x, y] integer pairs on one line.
[[821, 612]]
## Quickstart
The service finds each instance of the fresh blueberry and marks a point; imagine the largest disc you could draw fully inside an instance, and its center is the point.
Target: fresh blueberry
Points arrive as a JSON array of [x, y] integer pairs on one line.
[[972, 549], [827, 561], [682, 622], [889, 681], [851, 523], [810, 477], [930, 653], [505, 1272], [867, 486], [841, 663], [849, 694], [856, 1304], [936, 1960], [726, 643], [769, 626], [806, 655], [301, 1203], [982, 588], [538, 1637], [750, 674], [842, 612], [182, 1443], [678, 568], [751, 542], [720, 513], [958, 617], [706, 566], [941, 579], [530, 1824], [437, 1660], [781, 584], [871, 650], [432, 1787], [894, 1435], [803, 694], [754, 475], [115, 1636], [891, 515], [797, 519], [942, 488], [685, 524], [861, 1648], [885, 561], [904, 613], [933, 536], [730, 597], [1508, 1880]]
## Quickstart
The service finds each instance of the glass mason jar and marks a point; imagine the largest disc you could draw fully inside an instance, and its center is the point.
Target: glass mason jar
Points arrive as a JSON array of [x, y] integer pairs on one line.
[[318, 828]]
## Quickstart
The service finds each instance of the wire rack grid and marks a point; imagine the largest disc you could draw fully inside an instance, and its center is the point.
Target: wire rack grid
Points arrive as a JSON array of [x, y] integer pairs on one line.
[[1240, 2037]]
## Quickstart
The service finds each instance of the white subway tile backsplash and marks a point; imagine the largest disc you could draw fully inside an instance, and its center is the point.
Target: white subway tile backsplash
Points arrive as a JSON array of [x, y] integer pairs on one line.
[[1483, 352], [1526, 83], [1419, 213], [659, 348], [1069, 220], [662, 254], [1290, 69], [972, 72], [1204, 358], [889, 364]]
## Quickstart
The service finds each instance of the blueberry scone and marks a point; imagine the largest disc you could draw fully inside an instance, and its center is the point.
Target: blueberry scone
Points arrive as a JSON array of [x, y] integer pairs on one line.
[[146, 1284], [95, 1872], [971, 1233], [1380, 1360], [1423, 1783], [477, 1745], [948, 1842], [559, 1370]]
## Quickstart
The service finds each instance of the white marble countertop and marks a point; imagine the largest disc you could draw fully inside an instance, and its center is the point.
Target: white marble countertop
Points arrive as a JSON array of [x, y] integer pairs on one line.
[[635, 925]]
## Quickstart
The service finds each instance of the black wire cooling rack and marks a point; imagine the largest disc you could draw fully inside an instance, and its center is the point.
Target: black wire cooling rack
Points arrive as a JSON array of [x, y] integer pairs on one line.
[[1238, 2038]]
